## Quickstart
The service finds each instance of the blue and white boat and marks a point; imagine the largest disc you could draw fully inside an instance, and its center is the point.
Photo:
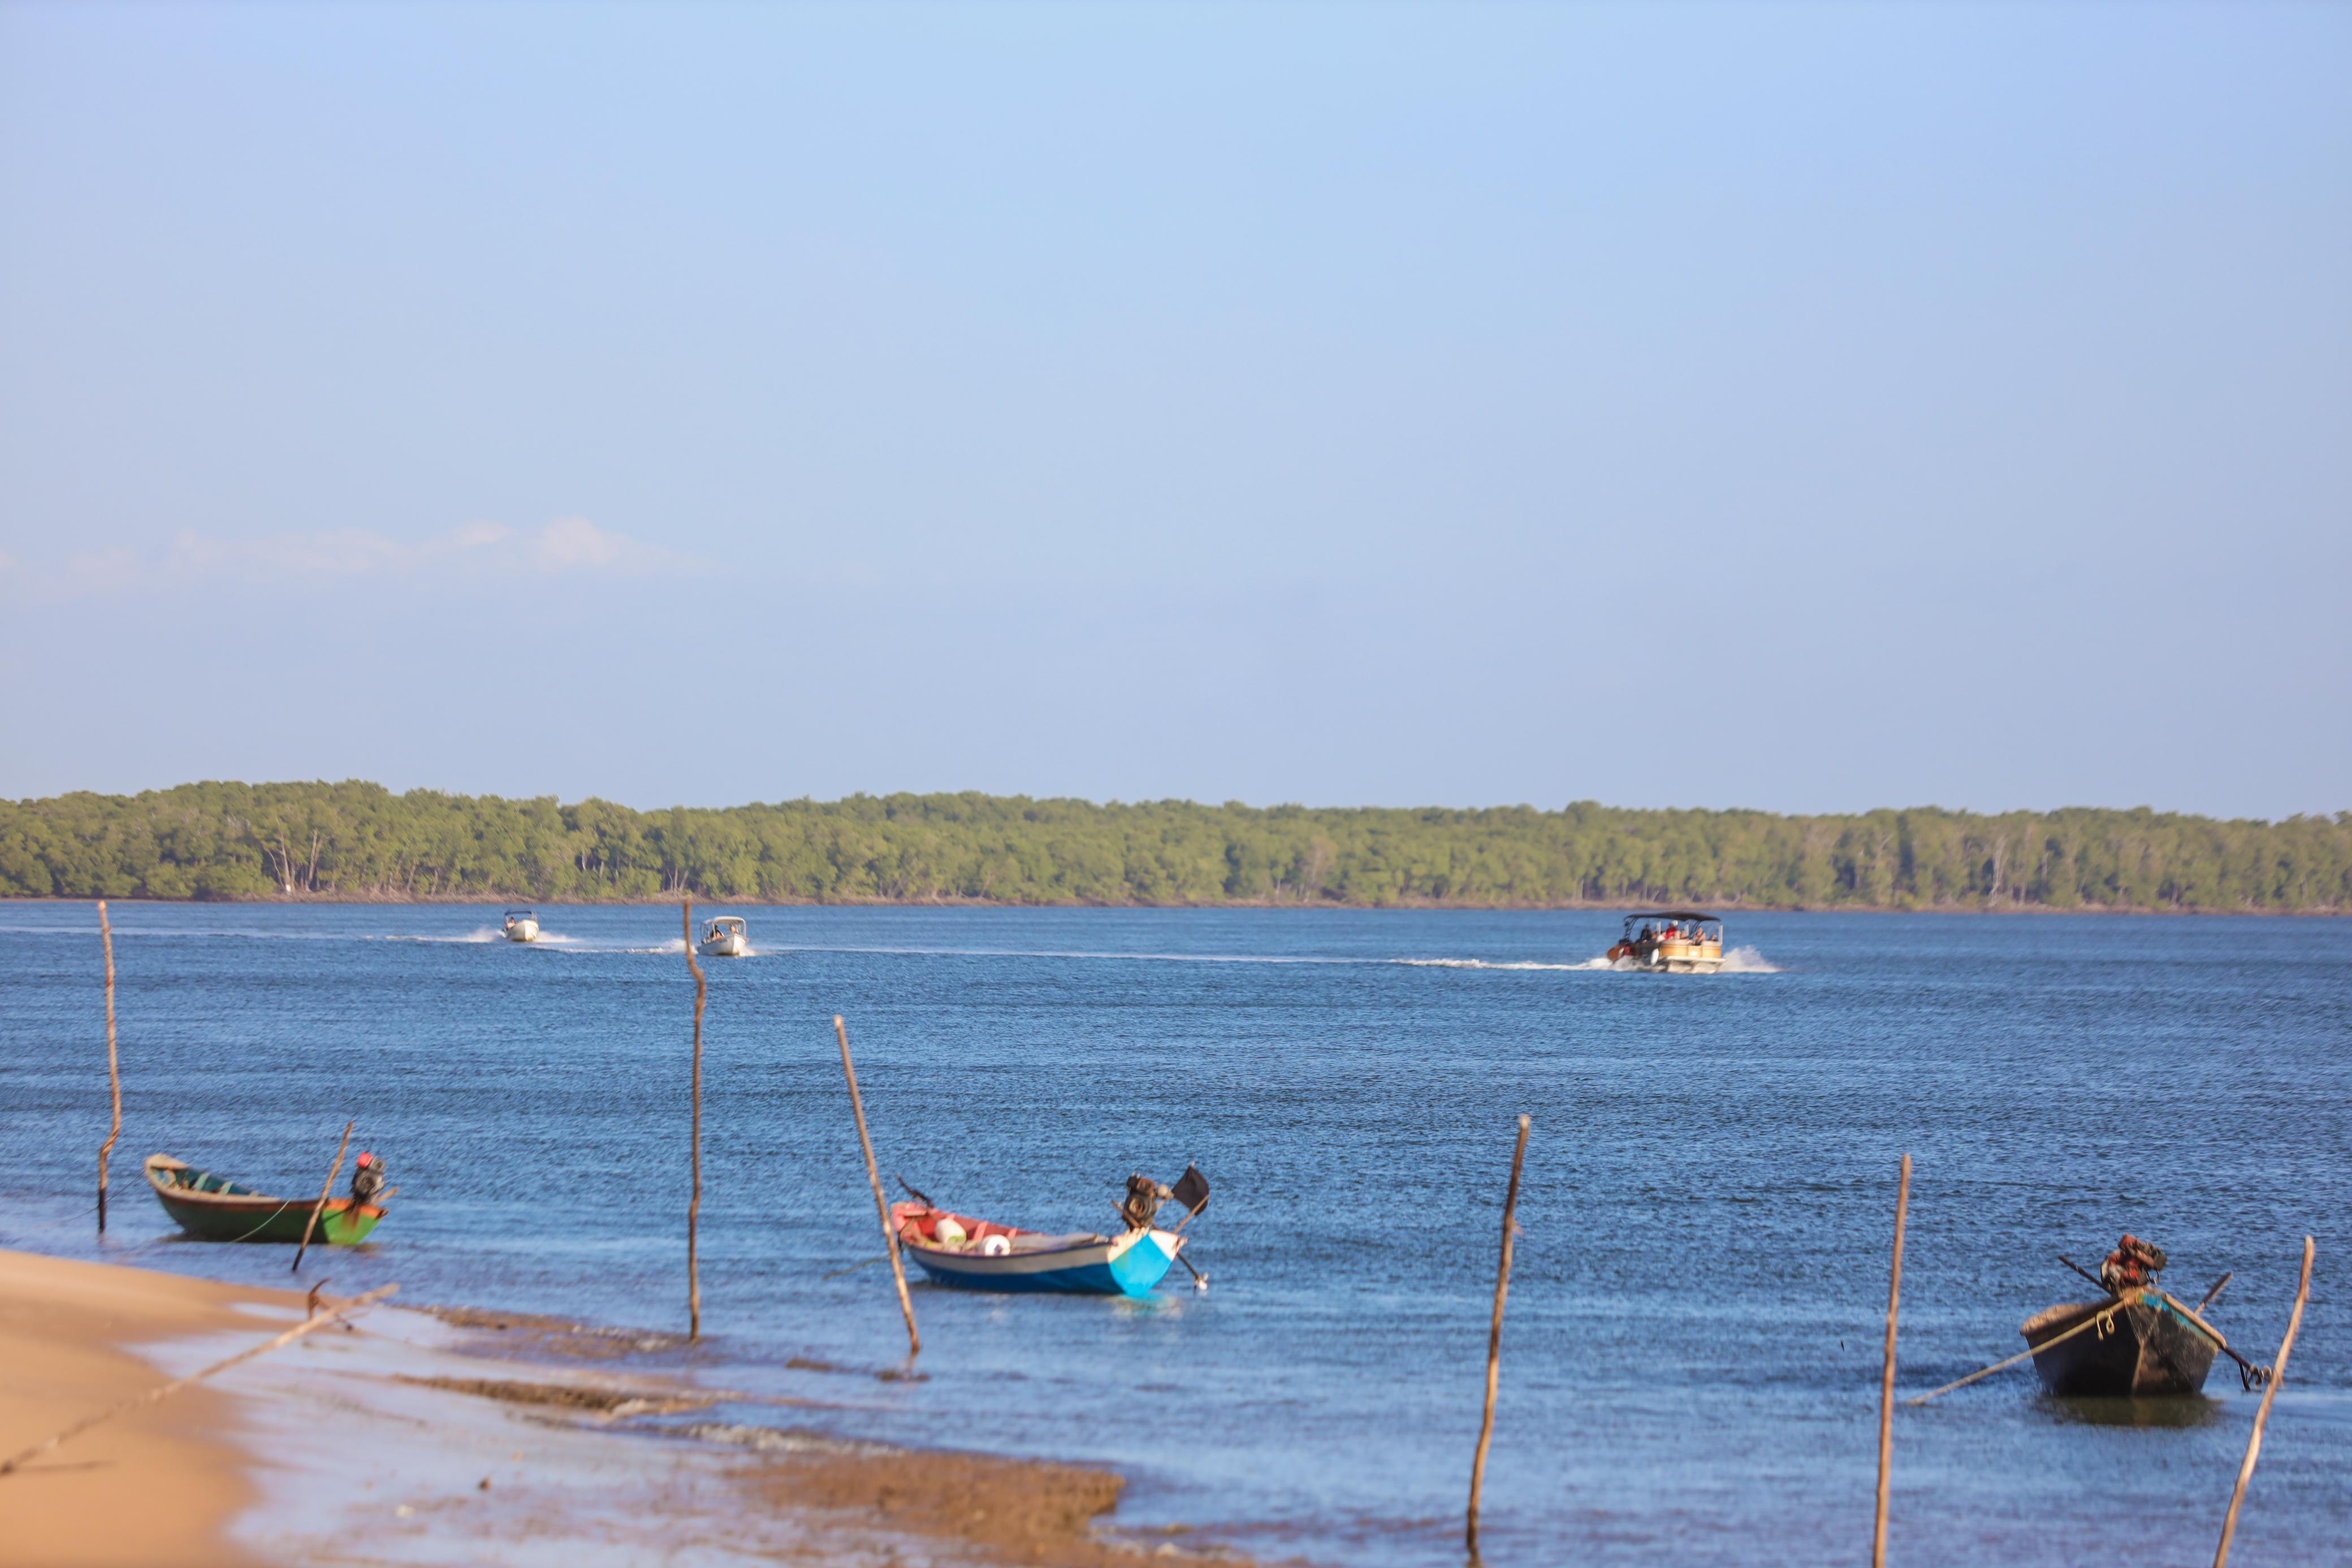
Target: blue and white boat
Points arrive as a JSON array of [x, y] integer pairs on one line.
[[982, 1255]]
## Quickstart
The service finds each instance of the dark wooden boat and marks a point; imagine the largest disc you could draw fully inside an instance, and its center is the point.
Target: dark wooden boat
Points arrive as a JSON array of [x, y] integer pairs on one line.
[[2148, 1349], [212, 1210]]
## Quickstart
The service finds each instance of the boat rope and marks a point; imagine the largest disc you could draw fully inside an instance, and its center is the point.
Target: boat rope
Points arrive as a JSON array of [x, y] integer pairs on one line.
[[2098, 1323], [16, 1462], [265, 1220]]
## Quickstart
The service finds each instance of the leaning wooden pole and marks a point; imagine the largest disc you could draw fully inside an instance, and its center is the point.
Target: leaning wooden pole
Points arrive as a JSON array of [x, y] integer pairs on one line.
[[1886, 1380], [881, 1206], [694, 1203], [113, 1066], [320, 1207], [1494, 1340], [2263, 1414]]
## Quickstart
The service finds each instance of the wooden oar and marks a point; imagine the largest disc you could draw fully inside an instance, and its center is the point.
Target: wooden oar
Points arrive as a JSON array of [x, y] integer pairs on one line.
[[2260, 1375], [2216, 1290], [2012, 1360], [2084, 1272], [1199, 1279]]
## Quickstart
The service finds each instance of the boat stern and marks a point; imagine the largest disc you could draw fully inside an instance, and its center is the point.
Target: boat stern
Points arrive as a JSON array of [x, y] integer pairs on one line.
[[1141, 1258]]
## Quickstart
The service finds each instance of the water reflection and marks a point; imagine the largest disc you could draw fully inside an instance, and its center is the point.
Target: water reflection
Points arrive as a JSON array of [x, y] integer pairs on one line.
[[2182, 1411]]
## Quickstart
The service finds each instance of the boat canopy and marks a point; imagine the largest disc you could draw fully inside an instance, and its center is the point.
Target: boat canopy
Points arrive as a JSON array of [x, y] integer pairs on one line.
[[1679, 916], [527, 914], [724, 921]]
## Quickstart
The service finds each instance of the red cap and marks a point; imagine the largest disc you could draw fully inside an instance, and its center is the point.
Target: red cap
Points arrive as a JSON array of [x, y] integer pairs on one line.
[[366, 1158]]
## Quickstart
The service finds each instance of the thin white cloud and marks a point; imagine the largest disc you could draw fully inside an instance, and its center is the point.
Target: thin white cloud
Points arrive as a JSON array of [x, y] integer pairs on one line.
[[569, 545]]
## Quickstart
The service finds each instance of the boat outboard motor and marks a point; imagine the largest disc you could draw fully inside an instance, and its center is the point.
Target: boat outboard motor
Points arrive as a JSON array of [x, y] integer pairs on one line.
[[2131, 1264], [367, 1178], [1144, 1197]]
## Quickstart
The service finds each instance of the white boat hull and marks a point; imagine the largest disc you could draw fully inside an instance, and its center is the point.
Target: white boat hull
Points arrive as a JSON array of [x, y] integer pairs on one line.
[[523, 931], [725, 948]]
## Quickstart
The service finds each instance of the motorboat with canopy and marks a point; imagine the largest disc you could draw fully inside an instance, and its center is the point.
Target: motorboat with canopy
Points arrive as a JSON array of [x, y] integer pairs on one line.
[[1671, 942], [522, 925]]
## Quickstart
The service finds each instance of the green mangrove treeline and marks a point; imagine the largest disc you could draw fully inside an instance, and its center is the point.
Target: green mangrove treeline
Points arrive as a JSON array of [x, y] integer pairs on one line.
[[219, 841]]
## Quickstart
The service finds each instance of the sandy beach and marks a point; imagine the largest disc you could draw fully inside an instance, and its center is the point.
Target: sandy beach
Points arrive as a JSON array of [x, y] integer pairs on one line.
[[452, 1436]]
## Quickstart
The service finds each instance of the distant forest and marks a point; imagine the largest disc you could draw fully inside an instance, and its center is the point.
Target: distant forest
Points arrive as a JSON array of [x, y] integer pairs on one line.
[[356, 841]]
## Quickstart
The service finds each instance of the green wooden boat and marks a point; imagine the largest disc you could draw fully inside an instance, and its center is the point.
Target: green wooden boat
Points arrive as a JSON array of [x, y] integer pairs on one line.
[[212, 1210]]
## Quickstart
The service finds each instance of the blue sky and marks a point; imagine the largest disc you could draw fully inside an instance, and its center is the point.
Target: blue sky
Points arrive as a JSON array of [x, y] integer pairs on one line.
[[1809, 408]]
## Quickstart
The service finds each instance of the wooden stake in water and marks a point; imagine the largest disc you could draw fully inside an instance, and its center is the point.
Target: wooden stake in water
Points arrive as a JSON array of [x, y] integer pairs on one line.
[[1887, 1383], [881, 1204], [318, 1207], [1494, 1340], [694, 1203], [2263, 1414], [113, 1066]]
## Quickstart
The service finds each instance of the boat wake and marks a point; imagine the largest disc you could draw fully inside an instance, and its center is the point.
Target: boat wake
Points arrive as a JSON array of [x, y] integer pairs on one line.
[[1736, 961], [1480, 963], [1271, 958]]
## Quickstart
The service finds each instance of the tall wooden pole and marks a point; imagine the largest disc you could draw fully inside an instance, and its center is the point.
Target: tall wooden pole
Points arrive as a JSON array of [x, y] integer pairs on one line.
[[2262, 1414], [318, 1207], [694, 1203], [1887, 1382], [1494, 1340], [113, 1066], [881, 1206]]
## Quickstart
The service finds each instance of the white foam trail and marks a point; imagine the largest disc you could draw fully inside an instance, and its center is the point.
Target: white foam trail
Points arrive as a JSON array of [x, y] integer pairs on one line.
[[1746, 961], [1481, 964]]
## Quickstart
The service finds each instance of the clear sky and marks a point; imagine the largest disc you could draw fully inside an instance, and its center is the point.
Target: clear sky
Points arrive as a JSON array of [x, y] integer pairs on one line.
[[1808, 408]]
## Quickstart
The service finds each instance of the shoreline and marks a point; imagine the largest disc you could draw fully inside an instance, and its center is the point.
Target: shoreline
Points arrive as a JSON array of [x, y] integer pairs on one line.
[[1396, 907], [437, 1435]]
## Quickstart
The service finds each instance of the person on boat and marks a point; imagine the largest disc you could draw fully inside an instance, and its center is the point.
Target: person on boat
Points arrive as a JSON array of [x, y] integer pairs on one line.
[[1646, 937], [2133, 1265], [367, 1179]]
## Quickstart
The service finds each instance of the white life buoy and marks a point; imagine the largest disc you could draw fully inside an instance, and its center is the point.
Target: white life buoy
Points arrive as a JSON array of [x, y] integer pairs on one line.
[[995, 1246]]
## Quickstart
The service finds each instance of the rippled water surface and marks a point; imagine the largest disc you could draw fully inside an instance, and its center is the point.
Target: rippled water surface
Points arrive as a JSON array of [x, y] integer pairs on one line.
[[1691, 1360]]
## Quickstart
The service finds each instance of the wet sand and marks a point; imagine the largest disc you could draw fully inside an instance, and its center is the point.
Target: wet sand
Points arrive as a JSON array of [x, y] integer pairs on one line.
[[157, 1485], [417, 1437]]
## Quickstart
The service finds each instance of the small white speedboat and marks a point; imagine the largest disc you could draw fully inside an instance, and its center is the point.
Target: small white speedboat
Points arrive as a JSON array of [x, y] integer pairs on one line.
[[522, 926], [724, 937]]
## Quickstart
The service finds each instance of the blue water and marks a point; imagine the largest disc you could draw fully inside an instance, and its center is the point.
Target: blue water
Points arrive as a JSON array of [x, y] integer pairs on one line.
[[1691, 1360]]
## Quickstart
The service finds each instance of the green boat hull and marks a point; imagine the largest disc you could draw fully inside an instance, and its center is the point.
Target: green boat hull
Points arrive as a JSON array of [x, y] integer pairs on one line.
[[336, 1228], [211, 1209]]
